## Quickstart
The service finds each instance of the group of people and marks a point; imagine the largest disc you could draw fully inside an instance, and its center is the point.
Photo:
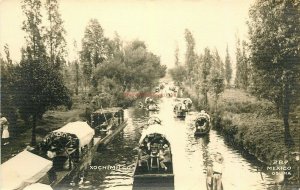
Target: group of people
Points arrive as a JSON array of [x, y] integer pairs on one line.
[[155, 147]]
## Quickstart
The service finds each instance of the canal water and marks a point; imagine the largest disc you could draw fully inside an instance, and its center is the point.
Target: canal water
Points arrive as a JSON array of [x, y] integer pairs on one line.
[[115, 164]]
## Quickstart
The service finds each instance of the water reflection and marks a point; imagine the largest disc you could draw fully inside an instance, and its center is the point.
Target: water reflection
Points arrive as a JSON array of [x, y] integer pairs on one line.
[[191, 156]]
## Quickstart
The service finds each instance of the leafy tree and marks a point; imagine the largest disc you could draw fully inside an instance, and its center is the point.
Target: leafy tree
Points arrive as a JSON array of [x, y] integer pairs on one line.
[[218, 86], [7, 78], [228, 68], [178, 74], [138, 69], [206, 67], [32, 27], [244, 68], [39, 86], [216, 77], [275, 54], [55, 35], [239, 65], [94, 49], [217, 64], [190, 56]]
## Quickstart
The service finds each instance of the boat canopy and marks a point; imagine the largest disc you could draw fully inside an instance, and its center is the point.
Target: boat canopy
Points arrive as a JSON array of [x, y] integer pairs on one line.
[[152, 129], [23, 169], [38, 186], [82, 131]]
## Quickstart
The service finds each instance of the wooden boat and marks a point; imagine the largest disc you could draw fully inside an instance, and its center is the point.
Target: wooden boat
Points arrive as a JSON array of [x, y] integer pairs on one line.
[[180, 110], [154, 166], [187, 101], [76, 154], [202, 125]]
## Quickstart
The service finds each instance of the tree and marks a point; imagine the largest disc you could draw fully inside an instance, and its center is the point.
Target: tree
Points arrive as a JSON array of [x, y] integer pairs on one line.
[[38, 85], [218, 86], [275, 54], [190, 56], [32, 27], [138, 69], [228, 69], [177, 56], [206, 66], [94, 49], [239, 65], [178, 74], [244, 69], [54, 37], [7, 78]]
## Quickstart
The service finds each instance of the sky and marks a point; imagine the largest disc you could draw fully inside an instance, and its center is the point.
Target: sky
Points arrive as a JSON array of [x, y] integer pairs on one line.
[[160, 23]]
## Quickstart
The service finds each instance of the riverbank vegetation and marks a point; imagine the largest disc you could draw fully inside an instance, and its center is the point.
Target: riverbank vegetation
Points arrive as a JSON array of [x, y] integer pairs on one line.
[[102, 72], [259, 108]]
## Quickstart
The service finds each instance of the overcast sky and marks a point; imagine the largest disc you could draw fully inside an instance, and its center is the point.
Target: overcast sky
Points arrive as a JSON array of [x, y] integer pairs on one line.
[[160, 23]]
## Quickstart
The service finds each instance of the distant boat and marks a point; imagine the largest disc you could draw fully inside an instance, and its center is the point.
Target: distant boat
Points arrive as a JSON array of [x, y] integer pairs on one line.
[[202, 125], [180, 110], [154, 166], [186, 101]]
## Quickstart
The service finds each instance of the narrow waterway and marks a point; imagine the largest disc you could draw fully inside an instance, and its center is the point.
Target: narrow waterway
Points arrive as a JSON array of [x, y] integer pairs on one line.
[[190, 156]]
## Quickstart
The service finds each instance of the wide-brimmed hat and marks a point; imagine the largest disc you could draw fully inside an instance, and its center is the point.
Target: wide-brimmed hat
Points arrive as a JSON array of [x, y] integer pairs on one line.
[[219, 158]]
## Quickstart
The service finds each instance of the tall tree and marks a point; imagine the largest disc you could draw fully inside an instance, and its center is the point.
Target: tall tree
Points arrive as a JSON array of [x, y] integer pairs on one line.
[[39, 86], [244, 68], [206, 67], [55, 35], [32, 27], [7, 78], [275, 54], [94, 49], [228, 68], [190, 55], [216, 77], [239, 64]]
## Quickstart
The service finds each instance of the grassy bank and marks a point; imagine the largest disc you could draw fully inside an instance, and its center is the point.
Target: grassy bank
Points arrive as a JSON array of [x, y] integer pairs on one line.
[[254, 126]]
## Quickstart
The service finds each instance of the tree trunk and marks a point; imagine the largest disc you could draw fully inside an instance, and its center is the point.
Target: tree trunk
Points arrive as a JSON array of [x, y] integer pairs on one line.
[[77, 78], [33, 135], [285, 113]]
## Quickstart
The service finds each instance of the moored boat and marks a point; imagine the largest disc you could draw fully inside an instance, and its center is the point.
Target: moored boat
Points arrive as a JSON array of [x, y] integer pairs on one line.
[[154, 167], [72, 147]]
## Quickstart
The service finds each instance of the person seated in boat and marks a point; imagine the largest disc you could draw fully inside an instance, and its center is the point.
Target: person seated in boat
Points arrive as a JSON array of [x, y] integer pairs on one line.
[[164, 156], [143, 154], [154, 149], [146, 143], [203, 113]]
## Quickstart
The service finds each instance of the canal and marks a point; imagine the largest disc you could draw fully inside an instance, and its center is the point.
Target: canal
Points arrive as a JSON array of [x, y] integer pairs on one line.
[[115, 164]]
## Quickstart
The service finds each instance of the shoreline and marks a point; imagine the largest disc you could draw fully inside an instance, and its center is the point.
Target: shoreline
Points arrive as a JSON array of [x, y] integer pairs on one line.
[[258, 133]]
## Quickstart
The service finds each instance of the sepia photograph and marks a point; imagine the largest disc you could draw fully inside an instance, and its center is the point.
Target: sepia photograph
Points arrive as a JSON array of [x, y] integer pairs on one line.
[[150, 94]]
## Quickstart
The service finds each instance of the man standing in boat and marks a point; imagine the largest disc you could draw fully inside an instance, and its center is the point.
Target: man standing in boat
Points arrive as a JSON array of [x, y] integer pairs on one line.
[[214, 173]]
